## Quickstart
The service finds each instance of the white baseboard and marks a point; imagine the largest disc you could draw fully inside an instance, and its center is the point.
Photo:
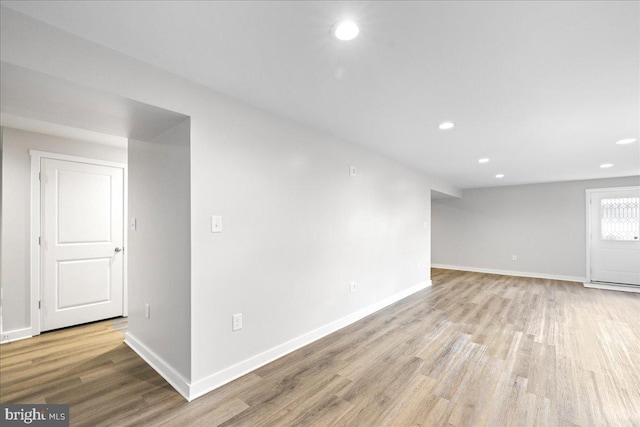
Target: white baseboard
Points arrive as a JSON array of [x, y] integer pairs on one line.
[[207, 384], [165, 370], [511, 273], [18, 334], [612, 287]]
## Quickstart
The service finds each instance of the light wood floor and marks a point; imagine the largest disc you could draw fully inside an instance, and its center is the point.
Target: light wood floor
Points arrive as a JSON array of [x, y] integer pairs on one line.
[[475, 349]]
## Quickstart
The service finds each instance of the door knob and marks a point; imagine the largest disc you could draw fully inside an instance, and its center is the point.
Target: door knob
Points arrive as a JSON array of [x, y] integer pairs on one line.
[[118, 249]]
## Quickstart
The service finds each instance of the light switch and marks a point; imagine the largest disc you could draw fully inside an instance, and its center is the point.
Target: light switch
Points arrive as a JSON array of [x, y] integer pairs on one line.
[[352, 170], [236, 322], [216, 224], [132, 224]]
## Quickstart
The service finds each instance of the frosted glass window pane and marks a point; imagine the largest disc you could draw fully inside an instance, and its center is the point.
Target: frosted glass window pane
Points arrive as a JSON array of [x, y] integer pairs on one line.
[[620, 218]]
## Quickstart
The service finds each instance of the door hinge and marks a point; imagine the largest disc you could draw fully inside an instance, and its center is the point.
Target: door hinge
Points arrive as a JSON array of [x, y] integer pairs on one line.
[[39, 305], [39, 240], [39, 176]]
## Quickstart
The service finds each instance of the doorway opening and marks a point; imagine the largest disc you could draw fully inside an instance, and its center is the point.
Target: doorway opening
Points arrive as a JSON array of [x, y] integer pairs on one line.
[[79, 264], [60, 116], [613, 238]]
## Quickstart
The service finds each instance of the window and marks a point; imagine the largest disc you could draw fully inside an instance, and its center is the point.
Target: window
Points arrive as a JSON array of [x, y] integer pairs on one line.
[[620, 218]]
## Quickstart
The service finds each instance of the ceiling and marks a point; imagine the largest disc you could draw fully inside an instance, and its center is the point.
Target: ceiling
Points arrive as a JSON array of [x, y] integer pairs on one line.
[[52, 105], [543, 89]]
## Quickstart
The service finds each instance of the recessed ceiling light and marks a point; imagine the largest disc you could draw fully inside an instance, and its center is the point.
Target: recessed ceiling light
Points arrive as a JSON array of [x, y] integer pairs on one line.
[[446, 125], [500, 175], [483, 160], [346, 30], [626, 141], [606, 165]]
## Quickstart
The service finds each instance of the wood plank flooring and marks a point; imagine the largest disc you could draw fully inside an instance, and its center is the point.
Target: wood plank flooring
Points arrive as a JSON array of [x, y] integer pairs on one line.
[[474, 350]]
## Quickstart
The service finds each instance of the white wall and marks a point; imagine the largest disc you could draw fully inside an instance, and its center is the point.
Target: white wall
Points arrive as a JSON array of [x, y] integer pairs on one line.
[[159, 250], [16, 201], [296, 227], [543, 224]]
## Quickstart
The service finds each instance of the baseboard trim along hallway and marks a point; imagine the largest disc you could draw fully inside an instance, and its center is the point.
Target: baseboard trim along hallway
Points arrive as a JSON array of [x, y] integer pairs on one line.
[[218, 379], [204, 386], [16, 335], [165, 370], [511, 273]]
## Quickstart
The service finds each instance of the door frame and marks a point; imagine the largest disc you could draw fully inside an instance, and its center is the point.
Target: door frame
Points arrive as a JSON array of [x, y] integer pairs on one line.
[[36, 221], [591, 217]]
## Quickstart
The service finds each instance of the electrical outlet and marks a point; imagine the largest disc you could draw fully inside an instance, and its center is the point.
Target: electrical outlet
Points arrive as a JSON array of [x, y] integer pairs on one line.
[[514, 257], [5, 338], [236, 322], [352, 287], [147, 310]]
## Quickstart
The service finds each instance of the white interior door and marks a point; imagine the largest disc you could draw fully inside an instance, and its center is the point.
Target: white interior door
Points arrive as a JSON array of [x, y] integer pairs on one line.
[[615, 236], [82, 209]]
